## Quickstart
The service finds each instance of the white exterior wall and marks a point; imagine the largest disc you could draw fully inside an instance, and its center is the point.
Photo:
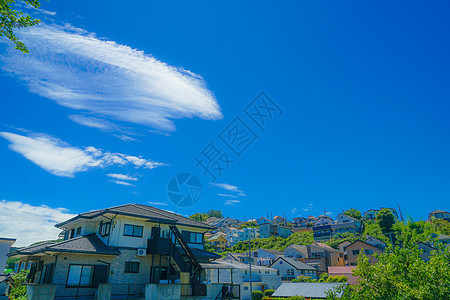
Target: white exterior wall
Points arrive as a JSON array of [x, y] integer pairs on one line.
[[283, 268], [294, 253], [5, 245]]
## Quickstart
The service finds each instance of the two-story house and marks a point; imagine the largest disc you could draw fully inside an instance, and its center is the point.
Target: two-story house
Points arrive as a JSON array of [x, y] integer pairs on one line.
[[439, 214], [371, 214], [128, 246], [235, 235], [290, 269], [317, 255], [354, 249], [267, 230], [218, 242], [325, 228]]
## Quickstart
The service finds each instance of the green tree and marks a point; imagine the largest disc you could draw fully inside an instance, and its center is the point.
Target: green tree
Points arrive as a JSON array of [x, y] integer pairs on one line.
[[11, 261], [401, 274], [18, 290], [12, 18], [268, 292], [385, 220], [354, 213]]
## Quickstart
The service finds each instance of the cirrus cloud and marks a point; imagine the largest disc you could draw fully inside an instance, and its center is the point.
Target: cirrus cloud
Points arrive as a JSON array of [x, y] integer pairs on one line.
[[106, 81]]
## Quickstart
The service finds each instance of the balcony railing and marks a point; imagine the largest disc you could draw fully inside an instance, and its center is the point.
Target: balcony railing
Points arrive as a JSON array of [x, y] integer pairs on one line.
[[159, 246], [254, 278]]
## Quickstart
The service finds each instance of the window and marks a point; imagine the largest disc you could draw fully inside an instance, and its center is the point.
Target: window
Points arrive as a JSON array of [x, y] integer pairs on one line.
[[78, 231], [80, 275], [193, 237], [368, 251], [133, 230], [132, 267], [104, 229], [71, 233], [355, 252], [290, 272]]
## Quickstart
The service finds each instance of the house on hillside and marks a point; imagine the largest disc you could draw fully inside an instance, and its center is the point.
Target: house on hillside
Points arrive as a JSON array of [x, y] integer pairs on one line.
[[356, 247], [260, 257], [279, 220], [324, 220], [263, 220], [218, 242], [300, 222], [346, 271], [221, 224], [439, 214], [267, 230], [290, 269], [371, 214], [317, 255], [241, 235], [324, 229], [375, 242], [427, 250], [129, 246]]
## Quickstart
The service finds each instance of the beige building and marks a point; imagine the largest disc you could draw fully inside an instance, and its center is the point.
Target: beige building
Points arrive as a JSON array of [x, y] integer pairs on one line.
[[354, 249]]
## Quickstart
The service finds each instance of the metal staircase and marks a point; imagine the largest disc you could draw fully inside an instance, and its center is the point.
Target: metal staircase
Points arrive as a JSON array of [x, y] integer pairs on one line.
[[196, 268]]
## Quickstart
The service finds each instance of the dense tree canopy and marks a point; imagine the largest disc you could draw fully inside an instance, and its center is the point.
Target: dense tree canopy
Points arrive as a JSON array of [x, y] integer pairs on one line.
[[402, 274], [386, 220], [354, 213], [202, 217], [12, 18]]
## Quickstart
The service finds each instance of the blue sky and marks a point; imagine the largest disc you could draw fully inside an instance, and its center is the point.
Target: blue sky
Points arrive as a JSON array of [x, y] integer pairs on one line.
[[116, 98]]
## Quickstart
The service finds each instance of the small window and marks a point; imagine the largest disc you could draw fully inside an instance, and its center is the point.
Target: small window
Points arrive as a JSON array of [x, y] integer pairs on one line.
[[132, 267], [78, 231], [104, 229], [368, 251], [133, 230], [355, 252]]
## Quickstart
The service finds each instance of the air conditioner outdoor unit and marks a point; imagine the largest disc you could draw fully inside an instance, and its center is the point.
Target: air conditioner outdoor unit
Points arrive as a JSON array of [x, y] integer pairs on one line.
[[142, 252]]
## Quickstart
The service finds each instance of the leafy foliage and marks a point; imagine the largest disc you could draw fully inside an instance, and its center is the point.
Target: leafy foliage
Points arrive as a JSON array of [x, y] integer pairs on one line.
[[18, 290], [248, 225], [276, 243], [402, 274], [11, 18], [257, 295], [385, 220], [269, 292], [323, 278], [11, 261], [345, 236], [202, 217], [354, 213]]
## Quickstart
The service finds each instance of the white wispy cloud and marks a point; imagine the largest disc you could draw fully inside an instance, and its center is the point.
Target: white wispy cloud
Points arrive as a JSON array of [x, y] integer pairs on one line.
[[308, 208], [229, 187], [226, 195], [157, 203], [119, 182], [122, 177], [232, 202], [28, 223], [62, 159], [294, 211], [108, 82]]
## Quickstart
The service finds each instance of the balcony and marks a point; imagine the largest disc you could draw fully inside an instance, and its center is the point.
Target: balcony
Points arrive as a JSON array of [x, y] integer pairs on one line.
[[159, 246]]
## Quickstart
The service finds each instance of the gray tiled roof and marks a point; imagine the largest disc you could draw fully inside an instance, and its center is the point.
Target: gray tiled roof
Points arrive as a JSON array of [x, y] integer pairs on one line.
[[295, 263], [90, 244], [306, 289], [142, 211]]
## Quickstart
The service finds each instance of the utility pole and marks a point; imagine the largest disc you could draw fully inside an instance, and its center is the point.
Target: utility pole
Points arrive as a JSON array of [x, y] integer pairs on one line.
[[250, 263]]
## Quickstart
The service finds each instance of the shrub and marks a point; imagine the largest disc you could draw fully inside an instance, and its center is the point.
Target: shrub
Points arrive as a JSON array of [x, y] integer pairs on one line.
[[257, 295], [269, 292], [18, 290]]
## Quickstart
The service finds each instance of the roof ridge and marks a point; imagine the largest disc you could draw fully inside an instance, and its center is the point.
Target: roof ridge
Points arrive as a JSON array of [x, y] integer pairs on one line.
[[146, 209]]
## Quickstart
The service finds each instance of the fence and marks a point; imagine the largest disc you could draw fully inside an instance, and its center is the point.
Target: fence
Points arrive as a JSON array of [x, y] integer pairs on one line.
[[127, 291], [118, 291], [65, 292]]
